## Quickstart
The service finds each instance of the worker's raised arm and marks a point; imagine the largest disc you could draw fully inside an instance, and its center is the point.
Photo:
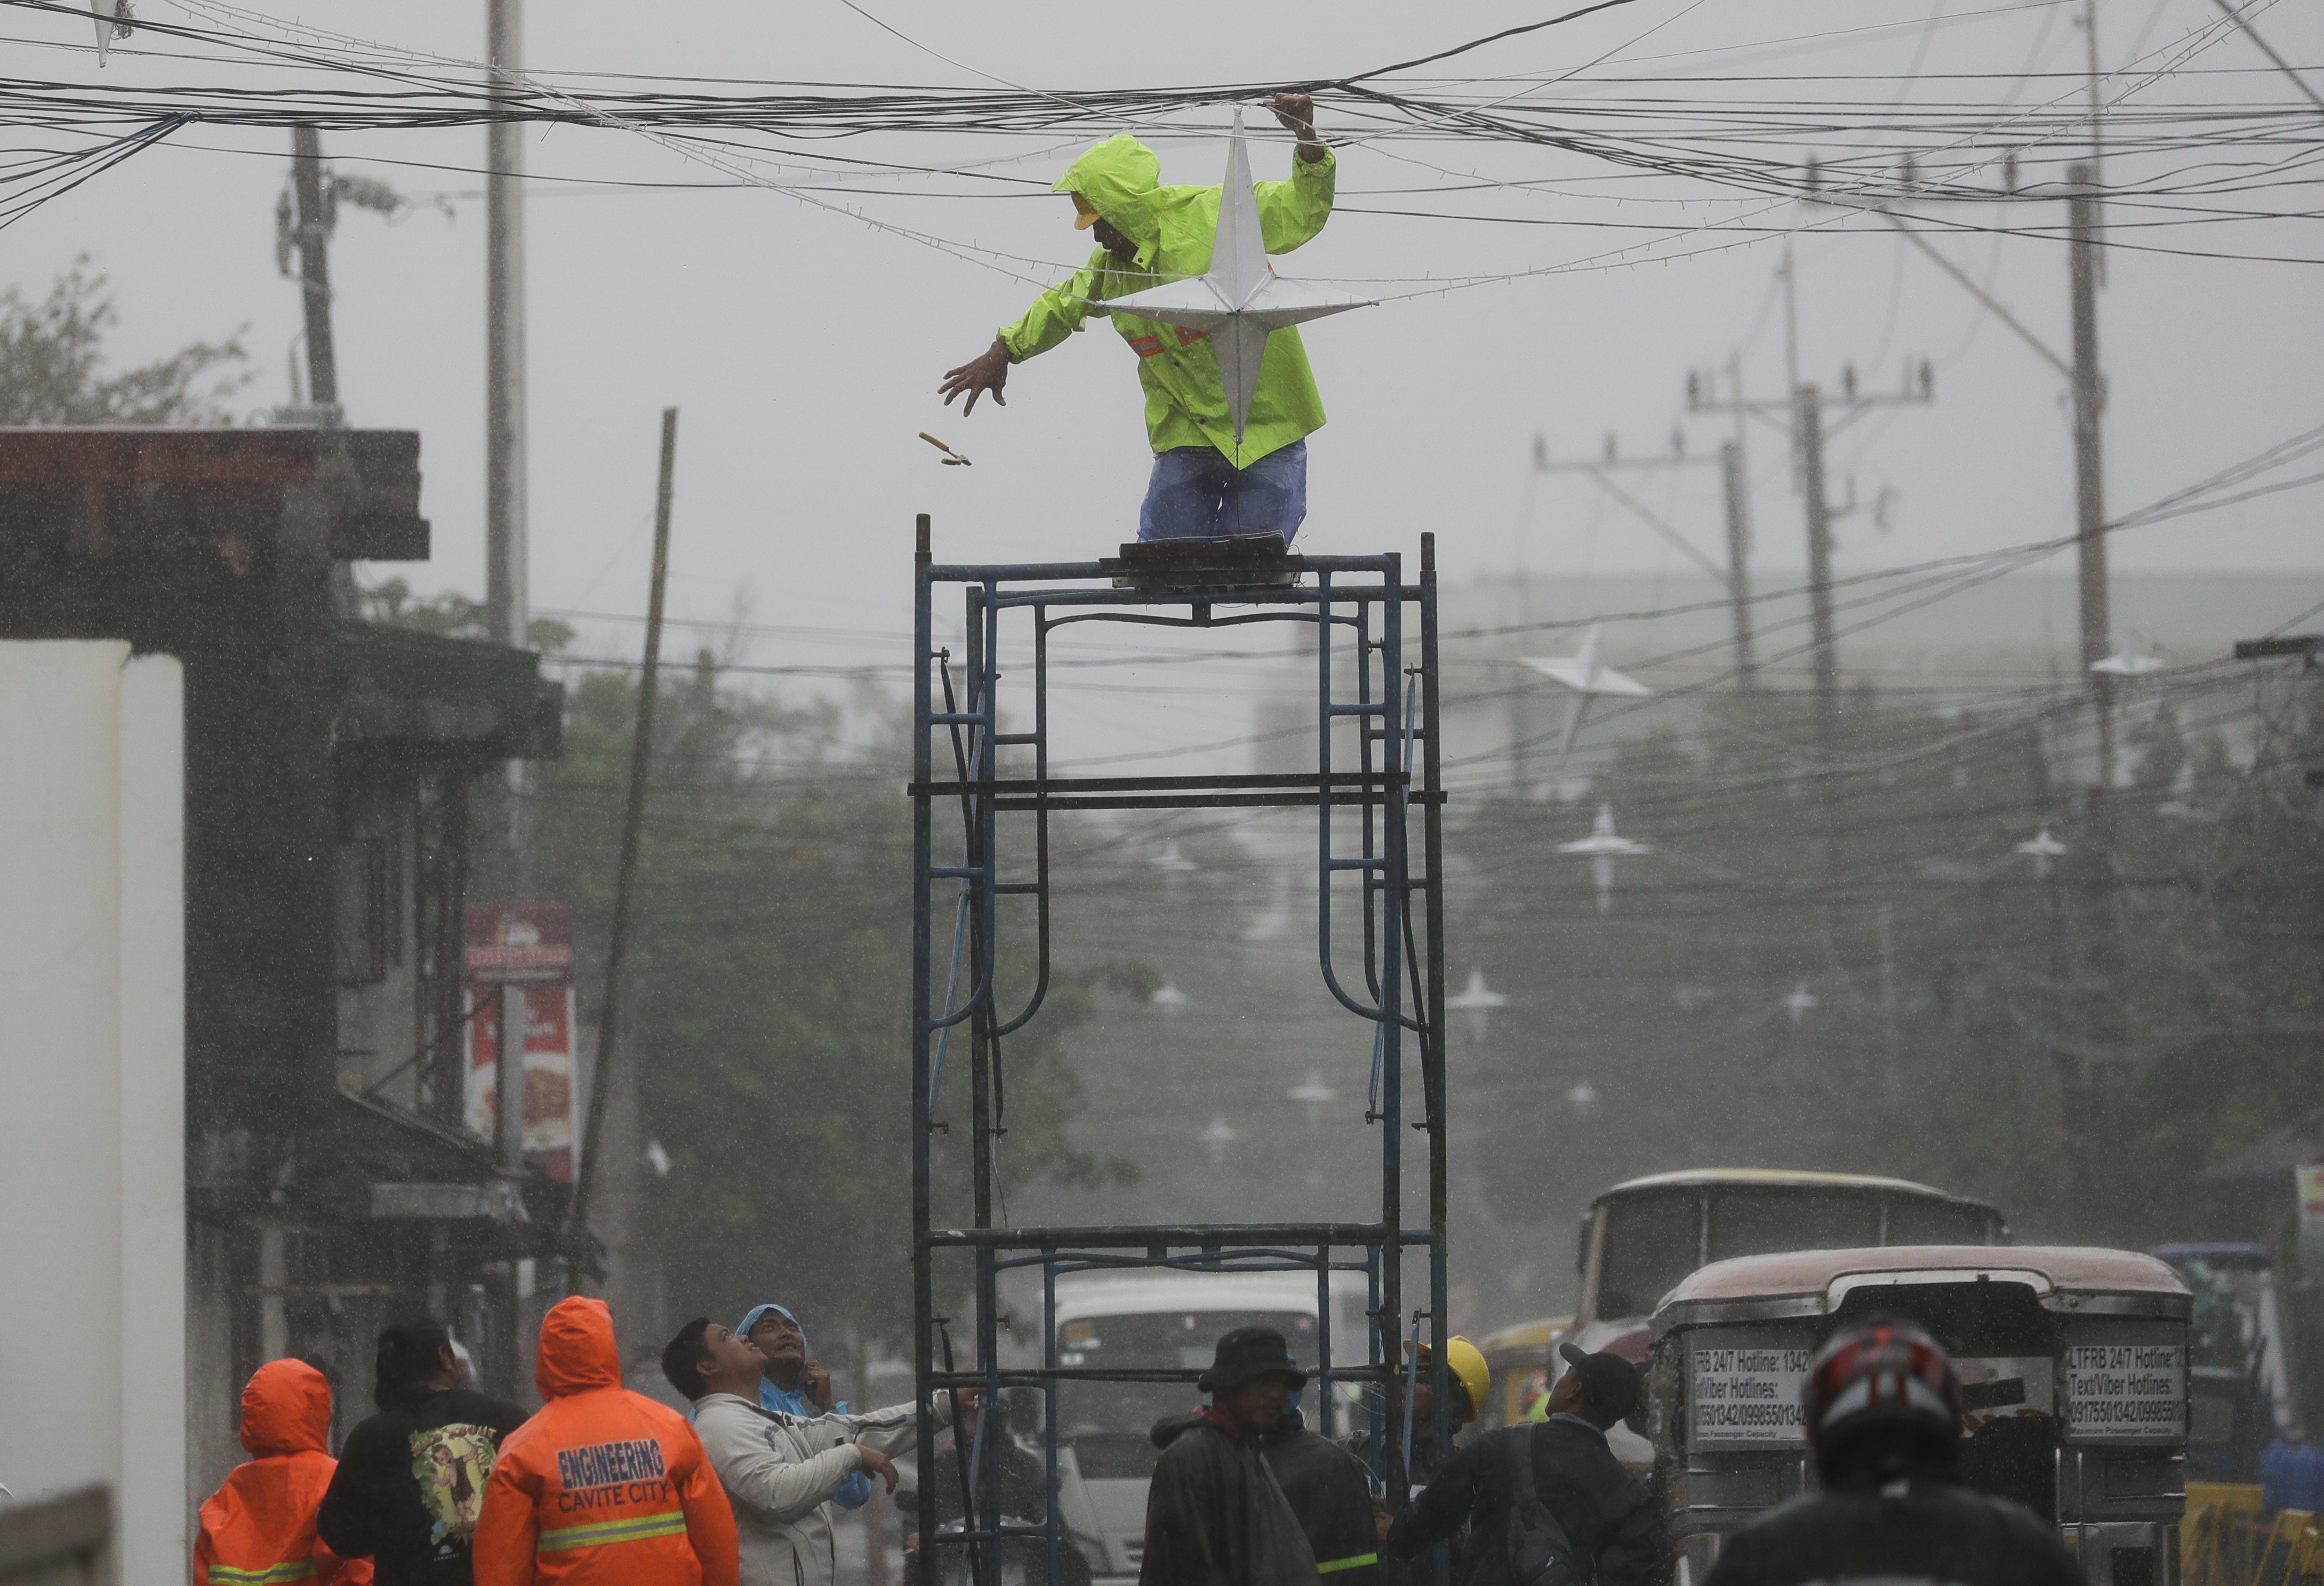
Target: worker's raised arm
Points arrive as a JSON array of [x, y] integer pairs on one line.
[[1055, 315], [1292, 212]]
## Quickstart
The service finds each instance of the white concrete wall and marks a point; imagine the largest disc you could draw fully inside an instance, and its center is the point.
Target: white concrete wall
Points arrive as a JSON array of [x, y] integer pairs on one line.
[[92, 1086]]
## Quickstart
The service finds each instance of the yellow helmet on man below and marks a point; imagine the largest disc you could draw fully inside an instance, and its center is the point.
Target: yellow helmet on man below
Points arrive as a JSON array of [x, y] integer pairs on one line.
[[1466, 1362]]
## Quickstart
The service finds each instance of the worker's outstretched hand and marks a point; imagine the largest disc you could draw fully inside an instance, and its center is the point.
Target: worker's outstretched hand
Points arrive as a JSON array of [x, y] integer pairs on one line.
[[987, 371]]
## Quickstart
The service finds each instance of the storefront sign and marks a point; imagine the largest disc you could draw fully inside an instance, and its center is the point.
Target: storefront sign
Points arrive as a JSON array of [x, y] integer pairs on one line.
[[528, 945]]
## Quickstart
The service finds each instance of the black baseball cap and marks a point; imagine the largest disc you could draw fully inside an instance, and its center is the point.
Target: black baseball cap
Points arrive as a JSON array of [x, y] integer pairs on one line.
[[1250, 1353], [1609, 1382]]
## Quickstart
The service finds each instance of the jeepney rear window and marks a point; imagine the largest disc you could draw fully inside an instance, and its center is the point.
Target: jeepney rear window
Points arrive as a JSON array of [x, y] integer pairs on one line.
[[1761, 1221], [1651, 1243], [1916, 1221]]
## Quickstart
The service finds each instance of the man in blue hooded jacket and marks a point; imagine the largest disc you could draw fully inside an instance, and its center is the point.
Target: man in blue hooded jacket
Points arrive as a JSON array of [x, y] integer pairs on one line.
[[795, 1384]]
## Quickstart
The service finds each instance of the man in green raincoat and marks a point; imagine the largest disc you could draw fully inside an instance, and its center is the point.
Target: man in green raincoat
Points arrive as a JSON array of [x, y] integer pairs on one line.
[[1203, 483]]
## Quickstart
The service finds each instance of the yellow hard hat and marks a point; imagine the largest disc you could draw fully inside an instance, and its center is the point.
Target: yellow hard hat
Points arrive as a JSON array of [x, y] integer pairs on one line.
[[1085, 216], [1466, 1361]]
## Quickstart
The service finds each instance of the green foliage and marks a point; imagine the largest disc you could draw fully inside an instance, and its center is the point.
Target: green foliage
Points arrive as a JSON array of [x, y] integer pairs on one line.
[[451, 615], [2078, 1048], [53, 363], [768, 997]]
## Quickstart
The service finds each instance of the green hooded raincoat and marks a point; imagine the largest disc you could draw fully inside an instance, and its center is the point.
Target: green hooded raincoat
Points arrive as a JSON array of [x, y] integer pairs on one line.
[[1174, 226]]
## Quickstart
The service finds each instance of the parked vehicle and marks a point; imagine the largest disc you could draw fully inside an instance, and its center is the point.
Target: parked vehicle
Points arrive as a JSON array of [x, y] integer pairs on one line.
[[1170, 1319], [2073, 1366], [1519, 1358], [1641, 1238], [2240, 1392]]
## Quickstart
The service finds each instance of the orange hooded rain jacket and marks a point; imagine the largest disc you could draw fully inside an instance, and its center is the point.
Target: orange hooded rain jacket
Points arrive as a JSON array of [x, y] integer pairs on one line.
[[259, 1526], [604, 1487]]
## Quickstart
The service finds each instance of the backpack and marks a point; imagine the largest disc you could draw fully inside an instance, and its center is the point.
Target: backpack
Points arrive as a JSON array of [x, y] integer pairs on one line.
[[1536, 1550]]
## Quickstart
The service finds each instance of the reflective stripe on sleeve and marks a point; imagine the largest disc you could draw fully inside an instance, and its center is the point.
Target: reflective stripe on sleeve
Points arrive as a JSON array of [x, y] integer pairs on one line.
[[602, 1532], [1357, 1562], [295, 1569]]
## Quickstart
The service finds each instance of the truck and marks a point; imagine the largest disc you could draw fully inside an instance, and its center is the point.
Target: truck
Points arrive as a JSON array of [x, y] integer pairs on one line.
[[1173, 1320]]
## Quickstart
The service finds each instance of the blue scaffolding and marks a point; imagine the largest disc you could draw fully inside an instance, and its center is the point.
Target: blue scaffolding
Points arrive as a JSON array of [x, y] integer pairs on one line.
[[1359, 609]]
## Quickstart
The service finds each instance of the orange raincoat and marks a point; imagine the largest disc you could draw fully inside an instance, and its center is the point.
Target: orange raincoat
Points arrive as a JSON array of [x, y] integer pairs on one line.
[[604, 1487], [258, 1528]]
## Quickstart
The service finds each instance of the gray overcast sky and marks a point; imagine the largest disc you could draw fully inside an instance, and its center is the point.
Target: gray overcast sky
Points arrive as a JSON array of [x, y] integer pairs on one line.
[[804, 347]]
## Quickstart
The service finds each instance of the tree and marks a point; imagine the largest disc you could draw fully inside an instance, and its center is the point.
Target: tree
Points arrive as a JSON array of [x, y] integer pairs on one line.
[[2076, 1042], [769, 990], [449, 614], [53, 363]]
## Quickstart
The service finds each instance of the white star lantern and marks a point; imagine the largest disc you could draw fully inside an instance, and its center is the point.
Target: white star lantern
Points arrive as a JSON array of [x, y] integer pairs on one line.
[[1588, 677], [2045, 849], [1478, 1002], [1315, 1095], [1240, 301], [1601, 847], [1218, 1137]]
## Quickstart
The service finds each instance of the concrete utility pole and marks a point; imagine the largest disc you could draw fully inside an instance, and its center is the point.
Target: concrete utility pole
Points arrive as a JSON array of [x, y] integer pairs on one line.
[[1734, 486], [2089, 476], [1736, 490], [1807, 424], [505, 581], [1804, 408], [312, 235], [1802, 415]]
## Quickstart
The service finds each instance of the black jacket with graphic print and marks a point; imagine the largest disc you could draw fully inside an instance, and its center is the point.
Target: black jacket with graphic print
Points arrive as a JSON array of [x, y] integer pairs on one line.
[[377, 1507]]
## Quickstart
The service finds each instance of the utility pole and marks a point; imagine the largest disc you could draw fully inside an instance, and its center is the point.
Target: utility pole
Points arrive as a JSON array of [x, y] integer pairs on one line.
[[1807, 423], [507, 602], [2090, 477], [311, 234], [1805, 409], [1735, 487], [1736, 490], [505, 581], [1802, 415]]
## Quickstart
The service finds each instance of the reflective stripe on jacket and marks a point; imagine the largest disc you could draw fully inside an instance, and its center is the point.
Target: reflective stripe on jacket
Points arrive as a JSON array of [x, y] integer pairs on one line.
[[604, 1487], [1174, 228], [258, 1528]]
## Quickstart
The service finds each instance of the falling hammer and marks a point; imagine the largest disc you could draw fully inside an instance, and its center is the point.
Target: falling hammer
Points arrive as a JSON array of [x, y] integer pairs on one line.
[[951, 457]]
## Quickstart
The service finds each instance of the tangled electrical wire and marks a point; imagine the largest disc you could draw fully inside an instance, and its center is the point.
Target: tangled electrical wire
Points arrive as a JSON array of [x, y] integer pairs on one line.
[[2171, 164]]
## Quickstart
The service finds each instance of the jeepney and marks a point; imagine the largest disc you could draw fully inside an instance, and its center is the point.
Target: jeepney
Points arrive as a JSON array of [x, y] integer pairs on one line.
[[1518, 1358], [2073, 1368], [1641, 1236]]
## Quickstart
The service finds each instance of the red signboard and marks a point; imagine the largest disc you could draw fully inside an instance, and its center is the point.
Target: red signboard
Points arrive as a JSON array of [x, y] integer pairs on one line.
[[529, 944], [520, 942]]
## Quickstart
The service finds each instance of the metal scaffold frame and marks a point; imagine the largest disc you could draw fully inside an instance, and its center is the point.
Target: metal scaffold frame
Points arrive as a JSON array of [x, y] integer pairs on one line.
[[1395, 784]]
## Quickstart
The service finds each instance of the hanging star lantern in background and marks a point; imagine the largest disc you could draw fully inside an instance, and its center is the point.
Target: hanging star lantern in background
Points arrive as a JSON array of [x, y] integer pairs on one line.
[[1315, 1095], [1588, 677], [1218, 1137], [1241, 300], [1478, 1002], [2045, 849], [2132, 660], [1601, 847]]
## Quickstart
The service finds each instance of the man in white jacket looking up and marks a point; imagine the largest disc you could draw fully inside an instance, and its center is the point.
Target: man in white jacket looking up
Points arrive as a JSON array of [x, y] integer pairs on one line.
[[779, 1470]]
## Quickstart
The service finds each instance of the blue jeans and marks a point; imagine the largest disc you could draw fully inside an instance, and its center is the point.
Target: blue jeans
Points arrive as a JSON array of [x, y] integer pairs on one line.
[[1196, 494]]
